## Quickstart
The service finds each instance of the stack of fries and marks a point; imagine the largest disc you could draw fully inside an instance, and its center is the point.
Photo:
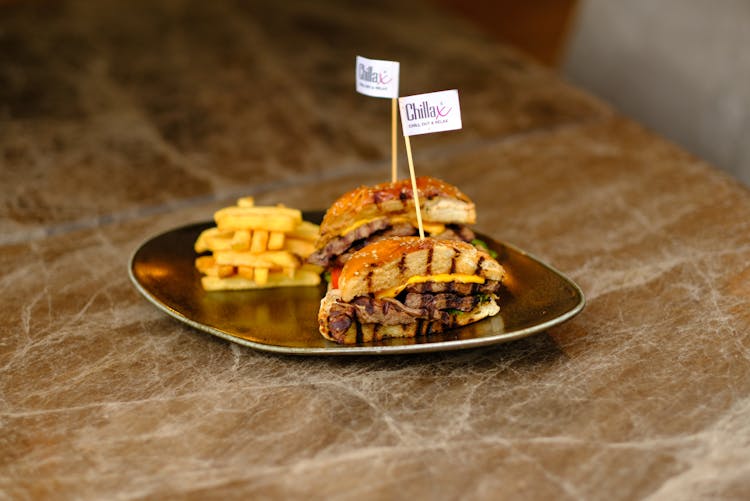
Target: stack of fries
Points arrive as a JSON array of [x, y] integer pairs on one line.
[[257, 247]]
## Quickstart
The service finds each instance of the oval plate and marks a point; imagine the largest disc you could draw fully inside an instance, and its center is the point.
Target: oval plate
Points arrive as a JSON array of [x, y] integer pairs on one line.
[[284, 320]]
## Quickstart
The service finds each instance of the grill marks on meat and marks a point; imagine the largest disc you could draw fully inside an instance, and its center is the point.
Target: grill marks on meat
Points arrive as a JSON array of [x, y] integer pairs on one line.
[[434, 302], [367, 310], [339, 250], [397, 230], [385, 311], [464, 289], [340, 318], [340, 245], [457, 232], [428, 301]]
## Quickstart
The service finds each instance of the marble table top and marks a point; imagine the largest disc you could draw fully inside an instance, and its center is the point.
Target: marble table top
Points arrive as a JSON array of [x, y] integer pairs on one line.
[[119, 120]]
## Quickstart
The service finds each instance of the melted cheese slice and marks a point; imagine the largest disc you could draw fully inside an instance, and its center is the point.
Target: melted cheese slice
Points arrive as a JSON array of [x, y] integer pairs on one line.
[[442, 277], [432, 228], [359, 223]]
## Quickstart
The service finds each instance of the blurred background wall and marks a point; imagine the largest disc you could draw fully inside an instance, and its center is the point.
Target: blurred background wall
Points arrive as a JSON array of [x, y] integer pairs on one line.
[[680, 67]]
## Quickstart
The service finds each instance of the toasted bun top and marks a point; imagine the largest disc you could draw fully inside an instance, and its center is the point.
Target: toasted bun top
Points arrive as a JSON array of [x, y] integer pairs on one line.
[[389, 263], [440, 202]]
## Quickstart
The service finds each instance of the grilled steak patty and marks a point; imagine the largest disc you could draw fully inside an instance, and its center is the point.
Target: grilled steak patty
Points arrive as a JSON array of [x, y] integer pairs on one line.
[[432, 302], [488, 287], [337, 251], [338, 246], [457, 232], [428, 301]]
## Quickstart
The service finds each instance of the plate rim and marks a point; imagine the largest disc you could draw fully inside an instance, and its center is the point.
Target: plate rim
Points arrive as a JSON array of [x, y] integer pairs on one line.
[[336, 349]]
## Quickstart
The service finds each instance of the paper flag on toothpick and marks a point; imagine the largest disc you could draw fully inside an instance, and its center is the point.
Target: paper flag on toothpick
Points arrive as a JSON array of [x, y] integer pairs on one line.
[[377, 78], [427, 113], [423, 114]]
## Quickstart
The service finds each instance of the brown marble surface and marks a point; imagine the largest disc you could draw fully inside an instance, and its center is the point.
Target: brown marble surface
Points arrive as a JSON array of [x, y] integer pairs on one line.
[[122, 119]]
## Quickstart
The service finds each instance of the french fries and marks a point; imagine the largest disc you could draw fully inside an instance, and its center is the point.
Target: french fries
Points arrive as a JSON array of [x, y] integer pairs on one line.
[[305, 275], [255, 247], [257, 218]]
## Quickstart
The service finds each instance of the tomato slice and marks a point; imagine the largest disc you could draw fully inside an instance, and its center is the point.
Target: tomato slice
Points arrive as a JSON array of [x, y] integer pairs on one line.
[[335, 274]]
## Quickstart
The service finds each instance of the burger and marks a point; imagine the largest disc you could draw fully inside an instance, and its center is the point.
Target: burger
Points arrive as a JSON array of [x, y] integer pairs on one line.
[[409, 287], [371, 213]]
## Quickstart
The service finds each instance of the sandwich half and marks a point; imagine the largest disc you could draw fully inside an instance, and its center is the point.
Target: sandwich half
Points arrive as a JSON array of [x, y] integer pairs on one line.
[[370, 213], [408, 287]]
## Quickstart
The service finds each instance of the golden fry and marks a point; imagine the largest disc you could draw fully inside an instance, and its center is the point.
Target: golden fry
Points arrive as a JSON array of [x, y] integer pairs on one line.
[[302, 248], [219, 243], [213, 239], [204, 263], [260, 241], [269, 259], [261, 276], [276, 240], [246, 202], [301, 278], [215, 270], [241, 240], [245, 272], [276, 222], [311, 268], [208, 239], [260, 218], [224, 270], [305, 231]]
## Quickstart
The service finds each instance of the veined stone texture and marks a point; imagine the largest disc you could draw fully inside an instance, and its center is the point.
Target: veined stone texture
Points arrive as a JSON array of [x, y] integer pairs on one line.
[[119, 120]]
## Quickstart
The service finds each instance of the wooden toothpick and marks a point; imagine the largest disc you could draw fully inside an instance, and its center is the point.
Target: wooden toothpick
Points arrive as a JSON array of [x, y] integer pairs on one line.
[[394, 113], [414, 187]]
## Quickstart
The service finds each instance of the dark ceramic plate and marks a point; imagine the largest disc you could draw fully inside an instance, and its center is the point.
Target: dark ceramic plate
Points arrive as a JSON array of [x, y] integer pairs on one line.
[[285, 320]]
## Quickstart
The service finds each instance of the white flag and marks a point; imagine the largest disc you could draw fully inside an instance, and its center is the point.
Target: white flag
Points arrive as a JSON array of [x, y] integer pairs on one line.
[[433, 112], [377, 78]]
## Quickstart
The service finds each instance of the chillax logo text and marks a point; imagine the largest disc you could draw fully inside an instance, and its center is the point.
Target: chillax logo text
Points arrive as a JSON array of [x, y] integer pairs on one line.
[[433, 112], [377, 78]]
